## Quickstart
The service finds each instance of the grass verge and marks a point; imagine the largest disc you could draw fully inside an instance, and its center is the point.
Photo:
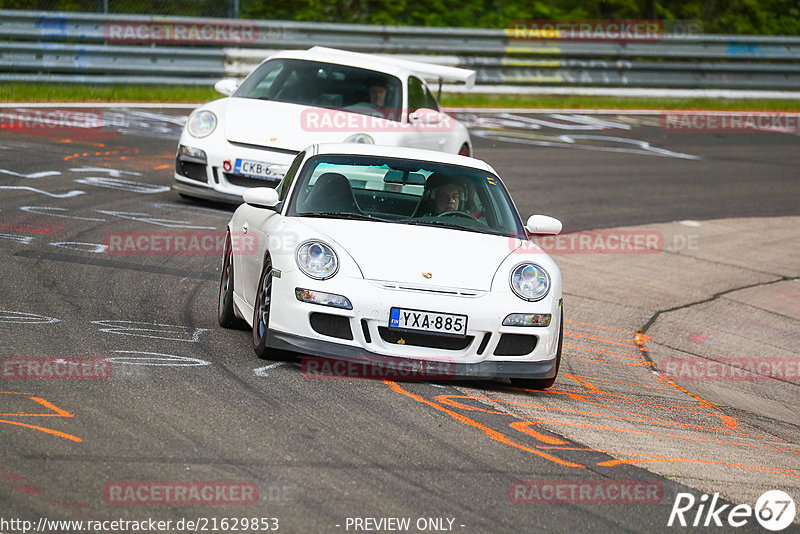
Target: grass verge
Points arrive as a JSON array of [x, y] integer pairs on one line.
[[32, 92]]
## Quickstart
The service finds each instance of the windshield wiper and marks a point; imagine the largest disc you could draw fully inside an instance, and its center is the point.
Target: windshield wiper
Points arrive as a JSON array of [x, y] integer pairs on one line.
[[336, 215], [438, 223]]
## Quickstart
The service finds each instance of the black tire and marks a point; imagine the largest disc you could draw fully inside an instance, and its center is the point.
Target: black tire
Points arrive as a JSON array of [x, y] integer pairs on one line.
[[544, 383], [225, 315], [261, 309]]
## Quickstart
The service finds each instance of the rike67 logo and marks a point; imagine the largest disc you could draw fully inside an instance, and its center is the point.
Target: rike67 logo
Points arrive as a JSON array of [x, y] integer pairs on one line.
[[774, 510]]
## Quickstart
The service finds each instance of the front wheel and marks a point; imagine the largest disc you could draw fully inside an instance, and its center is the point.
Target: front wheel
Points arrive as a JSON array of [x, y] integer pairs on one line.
[[544, 383], [261, 310], [225, 314]]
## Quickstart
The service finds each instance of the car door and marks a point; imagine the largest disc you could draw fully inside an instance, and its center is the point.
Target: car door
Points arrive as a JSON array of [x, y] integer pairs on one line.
[[423, 113]]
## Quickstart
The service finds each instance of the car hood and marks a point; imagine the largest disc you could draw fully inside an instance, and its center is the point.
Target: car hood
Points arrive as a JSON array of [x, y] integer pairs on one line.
[[289, 126], [403, 253]]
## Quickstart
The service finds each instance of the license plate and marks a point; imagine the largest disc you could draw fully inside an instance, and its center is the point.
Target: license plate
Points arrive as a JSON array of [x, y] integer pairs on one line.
[[254, 168], [426, 321]]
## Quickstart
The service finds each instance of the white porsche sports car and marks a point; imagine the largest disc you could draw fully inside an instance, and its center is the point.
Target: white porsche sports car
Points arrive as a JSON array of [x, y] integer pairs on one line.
[[320, 95], [388, 255]]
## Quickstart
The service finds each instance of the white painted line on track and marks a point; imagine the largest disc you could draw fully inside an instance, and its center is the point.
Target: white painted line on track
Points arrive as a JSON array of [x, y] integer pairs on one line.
[[262, 371]]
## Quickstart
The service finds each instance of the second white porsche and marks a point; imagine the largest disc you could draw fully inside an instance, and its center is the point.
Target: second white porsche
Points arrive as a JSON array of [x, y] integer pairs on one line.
[[299, 97]]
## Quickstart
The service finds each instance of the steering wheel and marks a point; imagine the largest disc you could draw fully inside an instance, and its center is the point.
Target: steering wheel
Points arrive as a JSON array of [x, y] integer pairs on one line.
[[457, 213]]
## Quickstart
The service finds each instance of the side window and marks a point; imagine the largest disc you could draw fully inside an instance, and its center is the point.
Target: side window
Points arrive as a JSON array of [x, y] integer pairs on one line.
[[416, 94], [419, 96], [430, 101], [290, 175]]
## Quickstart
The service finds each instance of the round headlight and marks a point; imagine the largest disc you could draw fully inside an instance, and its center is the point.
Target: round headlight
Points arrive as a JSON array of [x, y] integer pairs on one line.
[[317, 260], [202, 123], [530, 282], [360, 138]]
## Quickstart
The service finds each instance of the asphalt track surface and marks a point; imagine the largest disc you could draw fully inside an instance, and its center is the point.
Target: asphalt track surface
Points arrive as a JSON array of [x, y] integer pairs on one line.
[[189, 402]]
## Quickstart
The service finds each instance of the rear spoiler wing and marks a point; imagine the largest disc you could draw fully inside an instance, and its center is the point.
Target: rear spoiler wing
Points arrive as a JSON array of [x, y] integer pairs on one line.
[[428, 71]]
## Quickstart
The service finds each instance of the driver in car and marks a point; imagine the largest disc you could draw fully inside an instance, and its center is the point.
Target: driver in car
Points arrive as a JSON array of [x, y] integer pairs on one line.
[[448, 198], [442, 194]]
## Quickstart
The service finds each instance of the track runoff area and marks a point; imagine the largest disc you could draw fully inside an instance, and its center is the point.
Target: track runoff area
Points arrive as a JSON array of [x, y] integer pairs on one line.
[[126, 408]]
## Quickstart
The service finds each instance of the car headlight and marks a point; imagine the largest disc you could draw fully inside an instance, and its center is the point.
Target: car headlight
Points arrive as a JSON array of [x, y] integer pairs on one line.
[[317, 260], [202, 123], [360, 138], [529, 281]]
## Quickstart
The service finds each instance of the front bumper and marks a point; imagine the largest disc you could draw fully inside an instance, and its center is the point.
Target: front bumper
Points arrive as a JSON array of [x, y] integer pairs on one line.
[[208, 178], [363, 335], [448, 370]]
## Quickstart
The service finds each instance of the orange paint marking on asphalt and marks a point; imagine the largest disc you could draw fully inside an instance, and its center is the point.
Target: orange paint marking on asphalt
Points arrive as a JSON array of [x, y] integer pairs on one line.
[[525, 426], [633, 416], [665, 434], [620, 355], [86, 154], [611, 406], [46, 430], [578, 377], [160, 167], [494, 434], [640, 363], [601, 340], [684, 390], [765, 469], [58, 412]]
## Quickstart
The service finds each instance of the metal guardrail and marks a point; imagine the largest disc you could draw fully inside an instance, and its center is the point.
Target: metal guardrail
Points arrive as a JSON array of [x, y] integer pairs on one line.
[[94, 48]]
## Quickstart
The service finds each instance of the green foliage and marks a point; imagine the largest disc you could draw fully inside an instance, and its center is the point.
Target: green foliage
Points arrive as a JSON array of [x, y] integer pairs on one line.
[[766, 17], [758, 17]]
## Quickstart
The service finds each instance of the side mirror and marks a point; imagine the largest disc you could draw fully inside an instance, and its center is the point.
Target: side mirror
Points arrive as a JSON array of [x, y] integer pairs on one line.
[[226, 86], [261, 197], [426, 116], [543, 225]]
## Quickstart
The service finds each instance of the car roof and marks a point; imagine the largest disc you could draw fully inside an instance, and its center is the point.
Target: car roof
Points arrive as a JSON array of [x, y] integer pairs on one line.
[[389, 65], [401, 152]]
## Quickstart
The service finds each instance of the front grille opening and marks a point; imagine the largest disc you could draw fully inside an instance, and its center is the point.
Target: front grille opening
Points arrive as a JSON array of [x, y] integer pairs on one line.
[[430, 341], [331, 325], [365, 329], [486, 337], [515, 345], [190, 169], [247, 181]]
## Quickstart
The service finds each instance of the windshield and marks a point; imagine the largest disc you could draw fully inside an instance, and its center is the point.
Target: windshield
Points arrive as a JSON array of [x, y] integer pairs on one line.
[[403, 191], [325, 85]]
